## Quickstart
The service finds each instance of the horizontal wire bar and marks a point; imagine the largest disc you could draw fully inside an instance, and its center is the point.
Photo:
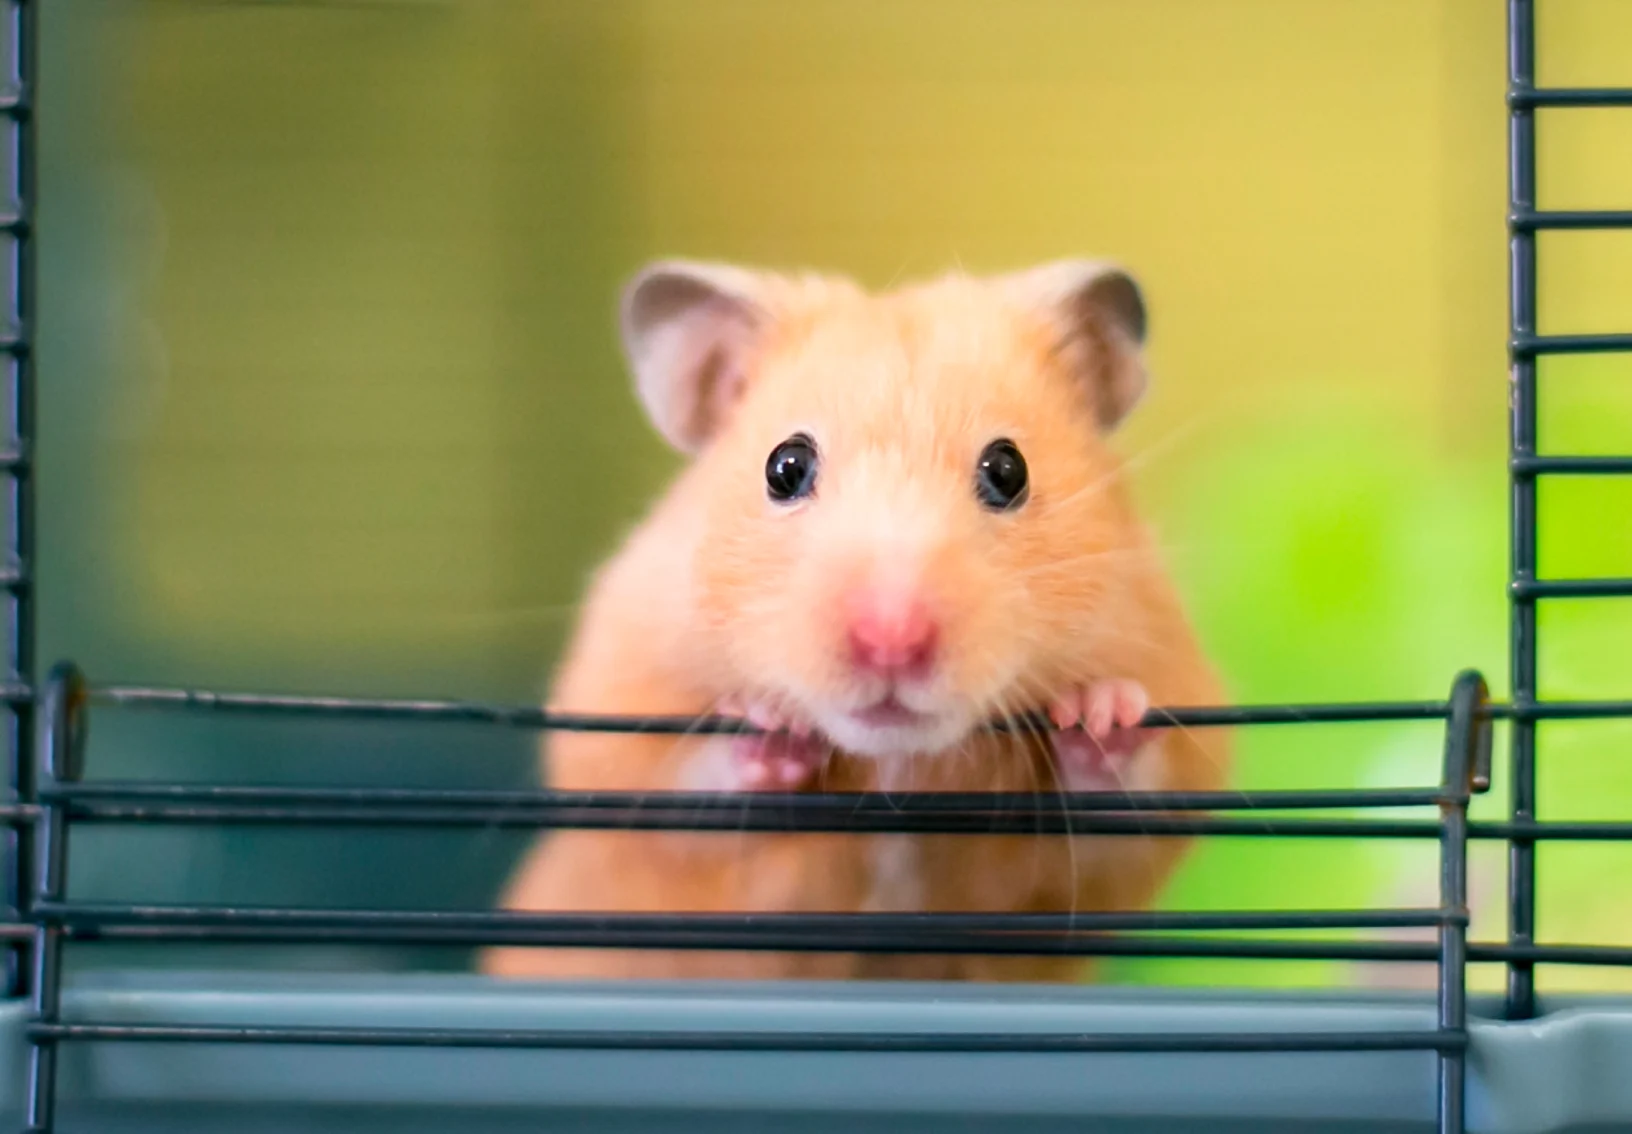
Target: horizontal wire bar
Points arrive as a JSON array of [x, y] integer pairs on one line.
[[1566, 710], [1541, 97], [1571, 588], [1538, 830], [994, 934], [1555, 219], [14, 458], [101, 914], [627, 806], [773, 1041], [1039, 815], [527, 716], [1528, 346], [1604, 955], [775, 940], [1566, 466], [531, 716], [748, 819], [770, 933]]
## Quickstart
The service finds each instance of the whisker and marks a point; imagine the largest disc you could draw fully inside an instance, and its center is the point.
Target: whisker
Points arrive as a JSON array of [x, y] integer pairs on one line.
[[1032, 688]]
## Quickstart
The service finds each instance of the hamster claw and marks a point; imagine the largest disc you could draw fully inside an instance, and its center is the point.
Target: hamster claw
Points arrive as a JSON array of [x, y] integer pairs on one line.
[[778, 762], [1099, 732], [786, 758]]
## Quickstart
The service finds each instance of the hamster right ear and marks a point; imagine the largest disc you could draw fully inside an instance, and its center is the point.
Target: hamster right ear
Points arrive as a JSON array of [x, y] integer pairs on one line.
[[688, 329], [1097, 305]]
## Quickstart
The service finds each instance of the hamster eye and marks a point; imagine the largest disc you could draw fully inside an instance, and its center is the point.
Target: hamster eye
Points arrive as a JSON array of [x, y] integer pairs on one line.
[[790, 471], [1000, 476]]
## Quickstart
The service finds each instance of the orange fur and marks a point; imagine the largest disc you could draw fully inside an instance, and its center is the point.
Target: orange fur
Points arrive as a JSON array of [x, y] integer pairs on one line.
[[720, 593]]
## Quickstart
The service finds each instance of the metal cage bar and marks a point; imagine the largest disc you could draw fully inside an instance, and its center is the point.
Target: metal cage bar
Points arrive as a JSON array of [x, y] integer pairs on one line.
[[1466, 770], [63, 704], [16, 451], [1523, 348], [1528, 97]]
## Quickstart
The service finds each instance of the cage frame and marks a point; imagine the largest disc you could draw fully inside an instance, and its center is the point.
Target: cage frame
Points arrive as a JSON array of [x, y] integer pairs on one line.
[[50, 796]]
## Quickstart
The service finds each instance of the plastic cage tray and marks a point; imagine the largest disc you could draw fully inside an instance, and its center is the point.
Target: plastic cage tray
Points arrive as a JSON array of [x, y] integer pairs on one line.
[[1565, 1072], [193, 1050]]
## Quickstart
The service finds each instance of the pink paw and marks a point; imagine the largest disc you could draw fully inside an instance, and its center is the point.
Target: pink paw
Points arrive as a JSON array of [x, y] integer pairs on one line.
[[1099, 732], [785, 758]]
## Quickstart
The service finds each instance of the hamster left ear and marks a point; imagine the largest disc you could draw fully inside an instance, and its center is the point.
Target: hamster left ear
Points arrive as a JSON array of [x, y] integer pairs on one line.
[[1099, 311], [688, 330]]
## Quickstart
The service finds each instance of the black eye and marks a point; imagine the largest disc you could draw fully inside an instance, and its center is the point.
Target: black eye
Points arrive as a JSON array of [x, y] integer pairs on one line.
[[1000, 476], [790, 471]]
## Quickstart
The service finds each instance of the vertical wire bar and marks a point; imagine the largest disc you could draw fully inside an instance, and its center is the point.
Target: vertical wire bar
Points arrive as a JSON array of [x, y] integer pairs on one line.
[[57, 761], [1466, 769], [19, 536], [1521, 159]]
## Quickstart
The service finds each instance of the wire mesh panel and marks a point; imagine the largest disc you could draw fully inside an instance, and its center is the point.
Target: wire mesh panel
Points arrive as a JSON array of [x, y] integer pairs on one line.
[[1525, 346], [67, 802], [53, 797]]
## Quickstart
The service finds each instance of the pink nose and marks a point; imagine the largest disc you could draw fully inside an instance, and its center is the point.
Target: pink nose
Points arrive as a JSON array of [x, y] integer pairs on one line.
[[893, 638]]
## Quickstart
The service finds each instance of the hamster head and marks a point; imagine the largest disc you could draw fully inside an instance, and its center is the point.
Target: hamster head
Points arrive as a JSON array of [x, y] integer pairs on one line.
[[911, 522]]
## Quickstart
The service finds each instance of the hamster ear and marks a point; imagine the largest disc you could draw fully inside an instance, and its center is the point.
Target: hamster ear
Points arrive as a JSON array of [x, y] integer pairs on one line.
[[1099, 310], [687, 330]]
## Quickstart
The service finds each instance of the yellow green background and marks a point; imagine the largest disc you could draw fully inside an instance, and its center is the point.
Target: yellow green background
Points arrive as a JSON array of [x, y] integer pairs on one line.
[[331, 399]]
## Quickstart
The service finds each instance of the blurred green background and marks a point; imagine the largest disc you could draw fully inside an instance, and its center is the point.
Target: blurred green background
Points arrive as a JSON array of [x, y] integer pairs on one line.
[[331, 401]]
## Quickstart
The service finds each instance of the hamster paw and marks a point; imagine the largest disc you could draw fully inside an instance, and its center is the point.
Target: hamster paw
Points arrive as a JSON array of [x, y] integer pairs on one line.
[[1099, 733], [785, 758]]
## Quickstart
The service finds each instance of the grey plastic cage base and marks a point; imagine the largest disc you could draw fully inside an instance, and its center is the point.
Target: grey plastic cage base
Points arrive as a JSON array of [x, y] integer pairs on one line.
[[1568, 1071]]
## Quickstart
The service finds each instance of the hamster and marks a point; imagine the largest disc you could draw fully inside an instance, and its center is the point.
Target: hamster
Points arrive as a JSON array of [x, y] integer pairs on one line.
[[901, 519]]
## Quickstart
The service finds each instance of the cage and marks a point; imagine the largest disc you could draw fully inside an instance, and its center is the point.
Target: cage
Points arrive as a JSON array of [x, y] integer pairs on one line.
[[190, 1046]]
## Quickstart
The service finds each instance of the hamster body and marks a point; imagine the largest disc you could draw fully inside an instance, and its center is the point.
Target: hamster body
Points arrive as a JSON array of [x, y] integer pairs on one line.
[[901, 520]]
